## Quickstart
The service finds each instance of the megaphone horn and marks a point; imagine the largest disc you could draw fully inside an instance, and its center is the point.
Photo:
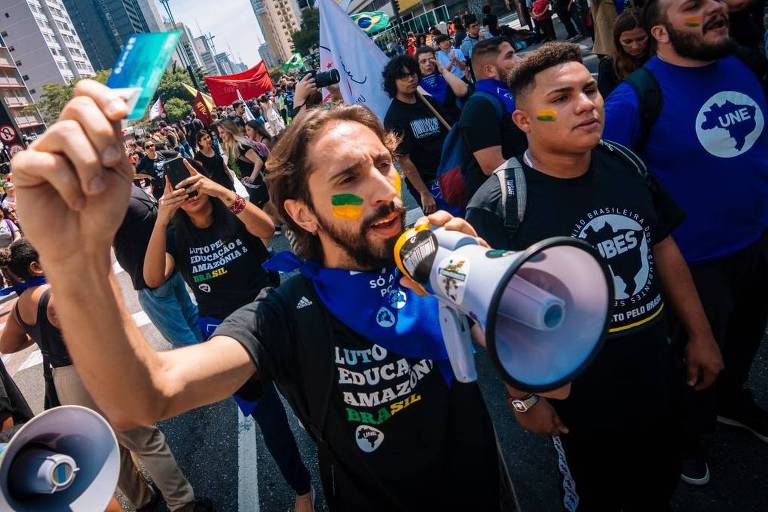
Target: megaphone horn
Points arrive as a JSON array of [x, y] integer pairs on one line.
[[545, 310], [65, 458]]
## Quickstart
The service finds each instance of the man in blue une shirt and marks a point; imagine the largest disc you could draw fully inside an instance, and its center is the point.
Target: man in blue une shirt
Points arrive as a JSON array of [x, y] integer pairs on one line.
[[696, 114]]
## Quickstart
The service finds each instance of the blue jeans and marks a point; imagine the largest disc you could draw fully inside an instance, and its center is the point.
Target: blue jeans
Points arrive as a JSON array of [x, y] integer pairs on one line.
[[269, 413], [172, 311]]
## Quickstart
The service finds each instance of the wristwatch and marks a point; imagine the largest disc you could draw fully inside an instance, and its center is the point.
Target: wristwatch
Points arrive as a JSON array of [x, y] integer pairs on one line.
[[525, 403]]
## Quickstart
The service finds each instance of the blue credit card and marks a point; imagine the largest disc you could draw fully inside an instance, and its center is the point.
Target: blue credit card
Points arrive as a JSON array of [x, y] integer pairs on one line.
[[139, 67]]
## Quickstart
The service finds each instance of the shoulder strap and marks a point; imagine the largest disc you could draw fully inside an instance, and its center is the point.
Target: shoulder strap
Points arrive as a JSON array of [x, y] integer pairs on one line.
[[302, 301], [514, 194], [756, 62], [494, 100], [630, 157], [651, 100]]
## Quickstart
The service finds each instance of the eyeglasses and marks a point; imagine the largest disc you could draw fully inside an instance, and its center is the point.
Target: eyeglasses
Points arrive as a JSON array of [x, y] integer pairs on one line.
[[149, 146], [409, 74]]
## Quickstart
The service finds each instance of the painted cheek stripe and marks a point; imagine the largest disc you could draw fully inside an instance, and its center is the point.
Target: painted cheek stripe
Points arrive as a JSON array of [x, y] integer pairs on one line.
[[546, 115], [347, 206], [693, 21]]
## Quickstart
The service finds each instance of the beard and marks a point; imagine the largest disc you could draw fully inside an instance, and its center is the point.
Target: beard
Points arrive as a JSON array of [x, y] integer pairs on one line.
[[357, 246], [689, 45]]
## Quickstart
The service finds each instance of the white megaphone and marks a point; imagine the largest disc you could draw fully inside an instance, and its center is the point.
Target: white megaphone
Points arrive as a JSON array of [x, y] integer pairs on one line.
[[65, 459], [545, 310]]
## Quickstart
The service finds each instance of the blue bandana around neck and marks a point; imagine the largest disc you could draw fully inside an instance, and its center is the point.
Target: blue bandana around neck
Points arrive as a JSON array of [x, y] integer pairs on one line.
[[18, 288], [436, 86], [500, 90], [397, 318]]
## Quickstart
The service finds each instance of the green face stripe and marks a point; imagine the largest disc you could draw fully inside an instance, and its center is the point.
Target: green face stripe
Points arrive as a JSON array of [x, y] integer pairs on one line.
[[545, 118], [346, 200]]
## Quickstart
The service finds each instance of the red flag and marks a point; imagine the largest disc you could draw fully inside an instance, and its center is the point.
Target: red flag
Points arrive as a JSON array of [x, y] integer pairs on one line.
[[251, 83], [201, 109]]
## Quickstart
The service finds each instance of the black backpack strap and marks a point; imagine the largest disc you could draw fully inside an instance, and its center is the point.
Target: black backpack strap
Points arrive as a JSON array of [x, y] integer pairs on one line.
[[514, 194], [630, 157], [299, 297], [650, 101], [756, 62]]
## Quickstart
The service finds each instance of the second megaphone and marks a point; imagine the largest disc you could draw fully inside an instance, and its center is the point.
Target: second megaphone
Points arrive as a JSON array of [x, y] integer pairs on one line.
[[544, 310]]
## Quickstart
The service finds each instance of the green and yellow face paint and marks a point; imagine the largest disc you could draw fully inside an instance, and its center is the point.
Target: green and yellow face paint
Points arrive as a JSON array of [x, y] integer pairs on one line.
[[398, 184], [549, 115], [693, 21], [347, 206]]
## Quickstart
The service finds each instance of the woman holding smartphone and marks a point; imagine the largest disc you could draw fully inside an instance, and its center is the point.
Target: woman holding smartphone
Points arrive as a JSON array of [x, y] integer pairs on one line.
[[214, 237]]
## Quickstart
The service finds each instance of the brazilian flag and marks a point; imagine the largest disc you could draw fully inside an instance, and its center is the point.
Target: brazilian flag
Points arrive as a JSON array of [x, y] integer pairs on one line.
[[371, 22], [295, 62]]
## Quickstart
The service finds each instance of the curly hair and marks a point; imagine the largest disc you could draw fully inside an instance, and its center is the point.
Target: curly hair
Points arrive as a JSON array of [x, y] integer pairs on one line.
[[547, 56], [394, 70], [288, 168]]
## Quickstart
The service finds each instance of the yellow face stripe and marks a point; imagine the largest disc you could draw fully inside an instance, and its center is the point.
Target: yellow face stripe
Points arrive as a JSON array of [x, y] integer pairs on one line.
[[348, 211], [693, 21], [398, 184], [547, 115]]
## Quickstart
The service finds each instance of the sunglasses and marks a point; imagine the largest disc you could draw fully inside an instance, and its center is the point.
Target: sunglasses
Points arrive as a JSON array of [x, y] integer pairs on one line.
[[149, 146]]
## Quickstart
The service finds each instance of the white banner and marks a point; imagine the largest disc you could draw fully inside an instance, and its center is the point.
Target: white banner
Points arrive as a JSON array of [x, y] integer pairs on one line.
[[157, 110], [360, 62], [247, 115]]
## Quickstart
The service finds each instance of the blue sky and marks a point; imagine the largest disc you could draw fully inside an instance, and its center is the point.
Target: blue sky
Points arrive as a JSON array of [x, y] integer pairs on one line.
[[230, 21]]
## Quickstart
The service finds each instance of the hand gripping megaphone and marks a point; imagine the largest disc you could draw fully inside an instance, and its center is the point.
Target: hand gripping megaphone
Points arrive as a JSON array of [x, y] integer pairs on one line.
[[66, 458], [545, 310]]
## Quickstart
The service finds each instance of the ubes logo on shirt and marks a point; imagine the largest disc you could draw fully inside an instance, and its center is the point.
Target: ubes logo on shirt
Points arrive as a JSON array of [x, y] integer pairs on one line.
[[368, 438], [729, 123]]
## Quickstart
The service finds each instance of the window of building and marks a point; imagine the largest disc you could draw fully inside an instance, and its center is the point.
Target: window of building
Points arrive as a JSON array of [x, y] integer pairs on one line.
[[32, 91], [25, 77]]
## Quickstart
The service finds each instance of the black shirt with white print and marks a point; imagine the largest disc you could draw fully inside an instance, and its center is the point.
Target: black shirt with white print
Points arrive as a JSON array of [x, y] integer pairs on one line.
[[221, 263], [422, 134], [400, 437], [154, 168], [623, 215]]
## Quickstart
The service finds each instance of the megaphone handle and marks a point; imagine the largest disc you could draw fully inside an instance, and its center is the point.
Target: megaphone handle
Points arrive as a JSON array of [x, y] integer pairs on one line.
[[458, 343]]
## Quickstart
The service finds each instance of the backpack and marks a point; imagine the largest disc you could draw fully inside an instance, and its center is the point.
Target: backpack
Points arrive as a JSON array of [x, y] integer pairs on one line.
[[453, 159], [651, 99], [514, 191]]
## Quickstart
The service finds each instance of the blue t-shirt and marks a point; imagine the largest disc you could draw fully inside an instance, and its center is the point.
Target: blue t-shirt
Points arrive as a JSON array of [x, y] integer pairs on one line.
[[708, 148]]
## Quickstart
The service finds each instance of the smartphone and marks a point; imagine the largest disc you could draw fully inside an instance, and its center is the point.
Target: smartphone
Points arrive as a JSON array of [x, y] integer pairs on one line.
[[177, 172]]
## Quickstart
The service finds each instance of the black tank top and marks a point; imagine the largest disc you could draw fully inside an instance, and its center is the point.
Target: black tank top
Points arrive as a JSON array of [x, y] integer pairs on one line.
[[45, 334]]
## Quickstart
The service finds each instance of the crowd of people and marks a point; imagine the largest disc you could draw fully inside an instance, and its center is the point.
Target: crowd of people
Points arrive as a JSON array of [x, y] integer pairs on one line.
[[660, 162]]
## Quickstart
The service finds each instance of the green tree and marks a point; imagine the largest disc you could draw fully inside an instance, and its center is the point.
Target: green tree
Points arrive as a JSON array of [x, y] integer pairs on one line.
[[56, 95], [171, 85], [309, 35], [176, 109]]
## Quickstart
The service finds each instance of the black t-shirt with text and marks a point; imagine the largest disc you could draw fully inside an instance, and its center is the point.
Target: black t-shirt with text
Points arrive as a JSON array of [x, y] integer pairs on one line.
[[221, 263], [400, 437], [422, 134], [616, 210], [482, 128], [154, 168], [132, 237]]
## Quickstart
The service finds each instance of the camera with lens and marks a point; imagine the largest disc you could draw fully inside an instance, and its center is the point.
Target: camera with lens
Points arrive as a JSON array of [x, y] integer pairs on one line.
[[326, 78]]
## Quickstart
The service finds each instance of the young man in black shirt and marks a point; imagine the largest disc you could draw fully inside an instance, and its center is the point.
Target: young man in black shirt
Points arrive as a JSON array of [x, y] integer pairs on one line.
[[395, 430], [616, 433], [151, 164], [421, 132], [487, 130]]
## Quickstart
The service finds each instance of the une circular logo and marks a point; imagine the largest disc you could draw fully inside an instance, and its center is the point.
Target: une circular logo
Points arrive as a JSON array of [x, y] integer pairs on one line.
[[205, 287], [729, 123]]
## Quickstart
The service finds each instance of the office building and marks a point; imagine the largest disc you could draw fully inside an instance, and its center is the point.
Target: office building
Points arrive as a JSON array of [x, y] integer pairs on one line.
[[17, 103], [225, 63], [43, 43], [278, 19], [151, 15], [268, 56], [206, 51]]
